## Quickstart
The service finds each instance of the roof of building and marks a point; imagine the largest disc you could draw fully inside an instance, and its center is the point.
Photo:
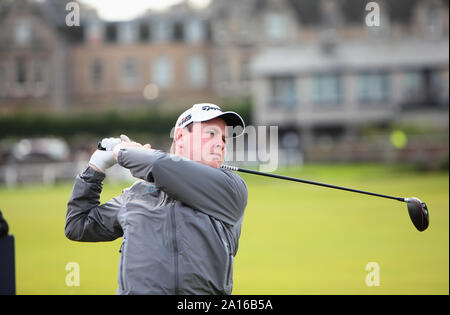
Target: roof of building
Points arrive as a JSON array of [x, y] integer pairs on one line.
[[353, 11]]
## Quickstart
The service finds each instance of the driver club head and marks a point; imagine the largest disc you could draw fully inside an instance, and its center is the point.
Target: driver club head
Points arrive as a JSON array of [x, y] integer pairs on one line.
[[418, 212]]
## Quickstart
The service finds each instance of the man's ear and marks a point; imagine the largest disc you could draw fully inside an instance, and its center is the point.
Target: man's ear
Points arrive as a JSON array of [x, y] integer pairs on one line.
[[178, 134], [176, 137]]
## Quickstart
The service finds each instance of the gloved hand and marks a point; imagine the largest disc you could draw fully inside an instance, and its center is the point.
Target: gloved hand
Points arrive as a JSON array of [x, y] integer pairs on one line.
[[103, 158]]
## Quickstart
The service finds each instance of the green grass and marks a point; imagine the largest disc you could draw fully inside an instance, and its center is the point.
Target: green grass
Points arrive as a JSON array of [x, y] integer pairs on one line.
[[296, 239]]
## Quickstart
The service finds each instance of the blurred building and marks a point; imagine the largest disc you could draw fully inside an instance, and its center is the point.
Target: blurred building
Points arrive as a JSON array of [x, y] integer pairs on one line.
[[313, 68], [159, 58], [35, 48], [341, 74], [184, 54]]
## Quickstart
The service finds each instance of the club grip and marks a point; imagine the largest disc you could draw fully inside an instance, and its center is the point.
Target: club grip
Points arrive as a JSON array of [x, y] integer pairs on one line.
[[229, 167]]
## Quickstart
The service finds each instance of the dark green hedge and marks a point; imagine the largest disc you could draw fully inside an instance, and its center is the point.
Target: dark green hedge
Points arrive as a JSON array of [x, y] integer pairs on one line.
[[70, 125], [101, 124]]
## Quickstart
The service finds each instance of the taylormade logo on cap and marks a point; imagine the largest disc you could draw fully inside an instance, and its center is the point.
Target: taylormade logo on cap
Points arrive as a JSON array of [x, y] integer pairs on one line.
[[207, 111], [209, 107], [195, 111]]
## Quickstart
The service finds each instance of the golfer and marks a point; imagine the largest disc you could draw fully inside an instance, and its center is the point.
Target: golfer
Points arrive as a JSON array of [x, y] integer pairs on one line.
[[180, 223]]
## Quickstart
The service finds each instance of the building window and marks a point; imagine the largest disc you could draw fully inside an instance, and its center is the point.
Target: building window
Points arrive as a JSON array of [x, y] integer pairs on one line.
[[326, 89], [436, 87], [178, 32], [207, 29], [283, 92], [433, 19], [196, 69], [195, 32], [94, 32], [422, 88], [220, 32], [222, 69], [433, 87], [97, 73], [373, 87], [162, 31], [413, 86], [130, 73], [162, 71], [3, 81], [245, 35], [22, 32], [127, 33], [39, 78], [144, 32], [111, 33], [39, 71], [21, 71], [275, 26]]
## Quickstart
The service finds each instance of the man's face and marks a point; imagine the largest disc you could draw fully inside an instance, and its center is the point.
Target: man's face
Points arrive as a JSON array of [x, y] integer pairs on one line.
[[204, 144]]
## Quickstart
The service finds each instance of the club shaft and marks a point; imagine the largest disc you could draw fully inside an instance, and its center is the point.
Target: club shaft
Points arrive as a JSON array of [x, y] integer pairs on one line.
[[312, 183]]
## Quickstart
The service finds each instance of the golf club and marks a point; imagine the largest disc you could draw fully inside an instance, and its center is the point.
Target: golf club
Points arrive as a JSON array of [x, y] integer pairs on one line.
[[418, 211]]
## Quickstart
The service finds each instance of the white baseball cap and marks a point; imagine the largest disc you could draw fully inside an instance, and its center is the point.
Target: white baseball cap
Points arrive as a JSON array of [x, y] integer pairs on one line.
[[207, 111]]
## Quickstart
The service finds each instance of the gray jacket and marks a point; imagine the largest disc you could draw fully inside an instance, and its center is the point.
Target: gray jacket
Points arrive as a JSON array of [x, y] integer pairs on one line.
[[180, 224]]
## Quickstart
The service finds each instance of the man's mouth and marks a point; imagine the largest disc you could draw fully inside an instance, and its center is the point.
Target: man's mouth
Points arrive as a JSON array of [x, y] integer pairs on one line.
[[216, 156]]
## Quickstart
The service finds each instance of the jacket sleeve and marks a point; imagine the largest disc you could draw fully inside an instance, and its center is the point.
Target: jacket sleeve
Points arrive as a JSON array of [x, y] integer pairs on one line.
[[86, 219], [217, 192]]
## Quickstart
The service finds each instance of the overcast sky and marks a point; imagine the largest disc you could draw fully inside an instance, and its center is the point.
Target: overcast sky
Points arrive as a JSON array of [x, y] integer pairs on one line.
[[126, 9]]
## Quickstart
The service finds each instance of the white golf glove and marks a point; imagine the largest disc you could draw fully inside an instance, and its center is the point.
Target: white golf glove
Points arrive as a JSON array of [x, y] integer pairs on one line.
[[103, 158]]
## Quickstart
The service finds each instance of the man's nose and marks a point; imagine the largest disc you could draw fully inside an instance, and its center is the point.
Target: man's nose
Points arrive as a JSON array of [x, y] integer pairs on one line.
[[218, 143]]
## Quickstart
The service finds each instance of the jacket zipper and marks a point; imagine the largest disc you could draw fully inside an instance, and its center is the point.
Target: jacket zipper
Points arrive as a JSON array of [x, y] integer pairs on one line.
[[230, 258], [122, 262], [227, 244], [229, 267], [175, 246]]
